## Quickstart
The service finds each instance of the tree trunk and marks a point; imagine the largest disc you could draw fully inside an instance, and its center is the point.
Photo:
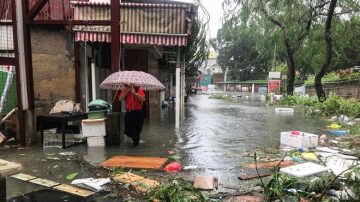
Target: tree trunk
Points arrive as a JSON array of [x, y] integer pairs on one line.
[[289, 52], [328, 39], [290, 64]]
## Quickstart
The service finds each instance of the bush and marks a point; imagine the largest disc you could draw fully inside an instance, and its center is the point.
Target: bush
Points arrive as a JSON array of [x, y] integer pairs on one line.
[[333, 106], [176, 190]]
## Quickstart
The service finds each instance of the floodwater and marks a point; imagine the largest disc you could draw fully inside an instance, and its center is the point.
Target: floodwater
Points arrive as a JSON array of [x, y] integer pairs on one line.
[[213, 136]]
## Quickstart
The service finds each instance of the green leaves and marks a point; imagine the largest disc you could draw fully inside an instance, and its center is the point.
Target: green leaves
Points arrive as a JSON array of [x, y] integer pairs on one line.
[[71, 176]]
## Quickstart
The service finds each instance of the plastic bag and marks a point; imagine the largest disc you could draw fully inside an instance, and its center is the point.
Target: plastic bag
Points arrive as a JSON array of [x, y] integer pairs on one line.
[[173, 167]]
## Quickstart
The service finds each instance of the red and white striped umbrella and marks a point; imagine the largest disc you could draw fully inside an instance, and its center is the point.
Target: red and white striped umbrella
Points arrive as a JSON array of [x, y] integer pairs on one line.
[[144, 80]]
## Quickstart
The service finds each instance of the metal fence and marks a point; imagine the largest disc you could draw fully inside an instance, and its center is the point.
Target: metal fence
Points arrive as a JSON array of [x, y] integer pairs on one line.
[[7, 51]]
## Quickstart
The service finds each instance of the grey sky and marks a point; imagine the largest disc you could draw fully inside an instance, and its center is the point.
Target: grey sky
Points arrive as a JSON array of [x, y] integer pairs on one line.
[[214, 7]]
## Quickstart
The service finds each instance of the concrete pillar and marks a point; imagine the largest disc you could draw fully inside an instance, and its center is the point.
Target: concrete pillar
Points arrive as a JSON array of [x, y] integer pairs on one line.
[[177, 75], [253, 88], [2, 188]]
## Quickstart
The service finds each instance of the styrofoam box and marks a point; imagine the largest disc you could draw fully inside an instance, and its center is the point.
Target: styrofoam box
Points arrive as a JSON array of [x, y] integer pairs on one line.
[[93, 127], [95, 141], [303, 140]]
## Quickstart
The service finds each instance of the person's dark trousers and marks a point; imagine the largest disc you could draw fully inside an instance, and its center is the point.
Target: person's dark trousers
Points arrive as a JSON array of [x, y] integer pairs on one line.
[[133, 125]]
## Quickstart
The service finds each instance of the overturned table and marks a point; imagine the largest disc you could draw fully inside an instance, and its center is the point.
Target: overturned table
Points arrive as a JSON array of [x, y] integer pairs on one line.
[[58, 120]]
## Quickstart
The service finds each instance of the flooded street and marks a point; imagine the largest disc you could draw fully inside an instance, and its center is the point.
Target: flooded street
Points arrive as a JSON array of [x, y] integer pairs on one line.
[[213, 136]]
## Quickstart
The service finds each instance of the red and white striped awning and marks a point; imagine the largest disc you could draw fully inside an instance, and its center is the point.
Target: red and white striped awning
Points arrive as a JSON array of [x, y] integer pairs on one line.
[[140, 23], [130, 38]]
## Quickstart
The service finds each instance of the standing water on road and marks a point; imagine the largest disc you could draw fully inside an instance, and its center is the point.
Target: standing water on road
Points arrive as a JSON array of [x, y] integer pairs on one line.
[[213, 136]]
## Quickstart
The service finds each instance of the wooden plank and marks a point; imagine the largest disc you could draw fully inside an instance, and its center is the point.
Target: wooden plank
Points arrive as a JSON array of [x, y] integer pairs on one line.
[[6, 166], [23, 177], [74, 190], [139, 183], [204, 182], [252, 176], [269, 164], [44, 182], [134, 162], [245, 199]]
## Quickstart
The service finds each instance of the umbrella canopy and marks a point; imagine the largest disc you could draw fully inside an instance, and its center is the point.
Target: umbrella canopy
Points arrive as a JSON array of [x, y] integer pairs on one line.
[[144, 80]]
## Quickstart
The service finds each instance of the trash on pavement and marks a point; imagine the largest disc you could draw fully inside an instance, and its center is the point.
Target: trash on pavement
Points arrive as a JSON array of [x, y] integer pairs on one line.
[[310, 156], [71, 176], [323, 139], [205, 182], [252, 176], [244, 199], [6, 166], [339, 132], [171, 152], [73, 190], [304, 170], [338, 164], [190, 167], [92, 183], [173, 167], [287, 111], [53, 185], [67, 153], [23, 177], [44, 182], [299, 139], [139, 183], [269, 164], [328, 150], [334, 126], [134, 162]]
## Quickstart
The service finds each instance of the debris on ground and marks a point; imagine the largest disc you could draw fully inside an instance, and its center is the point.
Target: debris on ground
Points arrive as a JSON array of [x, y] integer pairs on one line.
[[173, 167], [7, 166], [53, 185], [271, 164], [95, 184], [135, 162], [205, 182], [304, 169], [139, 183], [245, 198]]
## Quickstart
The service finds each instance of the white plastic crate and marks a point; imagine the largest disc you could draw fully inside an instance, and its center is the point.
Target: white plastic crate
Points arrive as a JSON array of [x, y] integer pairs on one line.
[[96, 141], [93, 127], [301, 140], [53, 139]]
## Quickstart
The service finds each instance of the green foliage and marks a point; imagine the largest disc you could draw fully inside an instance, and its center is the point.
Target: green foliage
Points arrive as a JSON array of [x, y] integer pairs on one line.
[[353, 181], [355, 129], [278, 187], [176, 190], [197, 51], [334, 76], [317, 184], [334, 105]]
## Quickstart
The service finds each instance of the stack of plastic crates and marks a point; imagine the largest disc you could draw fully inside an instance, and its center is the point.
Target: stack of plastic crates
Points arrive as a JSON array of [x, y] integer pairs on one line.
[[54, 139]]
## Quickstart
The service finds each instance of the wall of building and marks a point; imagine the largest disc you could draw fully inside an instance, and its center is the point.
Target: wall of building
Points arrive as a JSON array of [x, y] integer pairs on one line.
[[218, 77], [351, 90], [53, 67]]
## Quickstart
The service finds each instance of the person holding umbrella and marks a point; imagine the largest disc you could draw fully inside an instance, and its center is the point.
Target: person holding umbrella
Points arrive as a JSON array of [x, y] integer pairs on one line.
[[134, 97]]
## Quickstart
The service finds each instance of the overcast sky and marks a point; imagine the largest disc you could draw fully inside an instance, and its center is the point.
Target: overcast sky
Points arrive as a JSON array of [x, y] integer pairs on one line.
[[214, 7]]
